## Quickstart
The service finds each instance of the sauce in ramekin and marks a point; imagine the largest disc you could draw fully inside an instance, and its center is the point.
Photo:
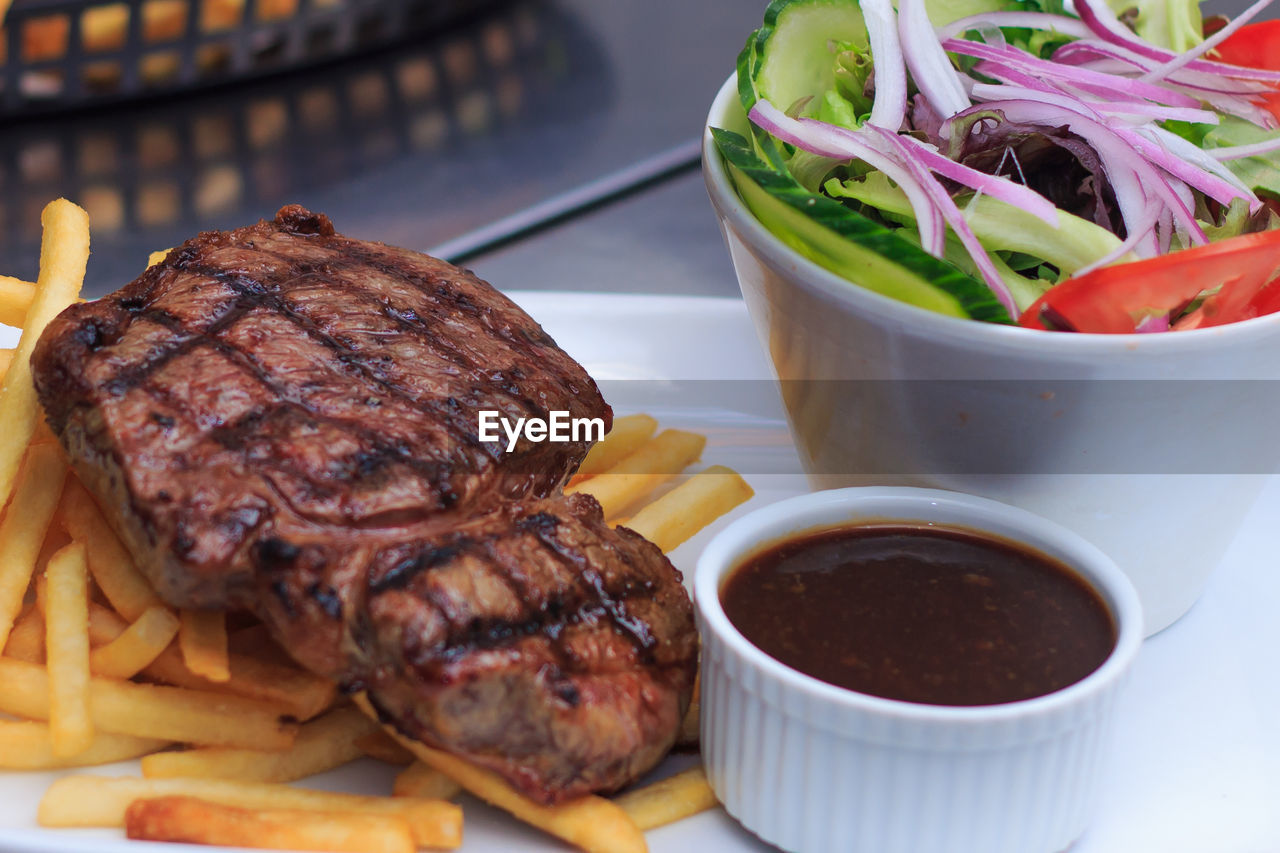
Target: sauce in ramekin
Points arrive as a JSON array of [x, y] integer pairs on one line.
[[936, 615]]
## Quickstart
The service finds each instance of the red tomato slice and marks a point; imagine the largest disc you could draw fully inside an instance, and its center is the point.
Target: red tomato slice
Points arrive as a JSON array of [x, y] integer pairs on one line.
[[1255, 45], [1115, 299]]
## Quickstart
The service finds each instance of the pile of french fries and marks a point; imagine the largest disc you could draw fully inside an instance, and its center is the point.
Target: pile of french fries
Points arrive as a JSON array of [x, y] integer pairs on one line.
[[96, 669]]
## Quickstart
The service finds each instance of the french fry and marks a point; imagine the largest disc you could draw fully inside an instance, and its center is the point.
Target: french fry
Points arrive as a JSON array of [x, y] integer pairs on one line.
[[380, 746], [22, 532], [112, 567], [194, 821], [628, 434], [419, 780], [15, 299], [146, 710], [157, 256], [64, 251], [642, 472], [136, 646], [322, 744], [669, 800], [202, 638], [26, 745], [80, 801], [66, 618], [26, 640], [591, 823], [296, 692], [6, 358], [680, 513], [105, 625]]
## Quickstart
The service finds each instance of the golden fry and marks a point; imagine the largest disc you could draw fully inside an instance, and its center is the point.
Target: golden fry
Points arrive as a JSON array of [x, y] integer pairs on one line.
[[194, 821], [322, 744], [145, 710], [296, 692], [101, 801], [642, 472], [23, 528], [680, 513], [15, 299], [105, 625], [419, 780], [64, 251], [29, 746], [66, 618], [6, 358], [380, 746], [156, 257], [26, 640], [202, 638], [628, 434], [112, 567], [674, 798], [591, 823], [136, 647]]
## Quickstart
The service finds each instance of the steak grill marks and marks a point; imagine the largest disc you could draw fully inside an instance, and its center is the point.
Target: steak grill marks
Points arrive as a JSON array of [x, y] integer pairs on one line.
[[282, 419], [591, 598], [234, 434]]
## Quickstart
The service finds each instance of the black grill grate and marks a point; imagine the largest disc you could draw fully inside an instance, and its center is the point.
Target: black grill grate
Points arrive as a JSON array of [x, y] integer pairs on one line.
[[69, 53]]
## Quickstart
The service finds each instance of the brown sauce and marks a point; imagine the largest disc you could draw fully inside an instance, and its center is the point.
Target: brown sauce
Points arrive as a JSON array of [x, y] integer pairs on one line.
[[941, 616]]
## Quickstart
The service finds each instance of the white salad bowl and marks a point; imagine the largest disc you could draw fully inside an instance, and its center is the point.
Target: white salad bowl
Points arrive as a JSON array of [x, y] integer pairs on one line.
[[809, 766], [1152, 446]]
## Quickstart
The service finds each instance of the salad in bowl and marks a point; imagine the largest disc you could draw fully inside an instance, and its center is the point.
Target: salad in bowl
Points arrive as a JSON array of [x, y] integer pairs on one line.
[[1062, 167]]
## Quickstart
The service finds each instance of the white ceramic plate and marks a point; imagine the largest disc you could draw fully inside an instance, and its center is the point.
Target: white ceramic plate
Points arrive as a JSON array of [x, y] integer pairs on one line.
[[1196, 766]]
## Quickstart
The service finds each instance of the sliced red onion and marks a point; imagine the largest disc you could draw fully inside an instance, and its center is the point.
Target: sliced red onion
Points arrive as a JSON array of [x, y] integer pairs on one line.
[[1210, 182], [1109, 58], [1081, 88], [1146, 112], [1090, 49], [931, 68], [1197, 156], [1099, 18], [996, 186], [1153, 323], [1201, 82], [1020, 60], [1241, 106], [890, 106], [1187, 57], [839, 143], [1030, 20], [942, 200], [1238, 152], [1188, 199], [1043, 94], [1132, 176], [1164, 231]]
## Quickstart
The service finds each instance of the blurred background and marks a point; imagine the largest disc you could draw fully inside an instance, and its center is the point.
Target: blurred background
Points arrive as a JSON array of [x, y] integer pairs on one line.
[[548, 144]]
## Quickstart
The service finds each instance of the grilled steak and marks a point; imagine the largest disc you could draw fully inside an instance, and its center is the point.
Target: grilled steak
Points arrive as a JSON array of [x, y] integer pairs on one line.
[[284, 420]]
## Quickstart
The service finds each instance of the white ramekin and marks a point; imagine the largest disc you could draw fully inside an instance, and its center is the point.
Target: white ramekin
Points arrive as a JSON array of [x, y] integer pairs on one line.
[[809, 766]]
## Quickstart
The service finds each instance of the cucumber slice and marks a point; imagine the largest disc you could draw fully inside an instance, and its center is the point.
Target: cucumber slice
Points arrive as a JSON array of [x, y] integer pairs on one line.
[[789, 56], [851, 245]]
